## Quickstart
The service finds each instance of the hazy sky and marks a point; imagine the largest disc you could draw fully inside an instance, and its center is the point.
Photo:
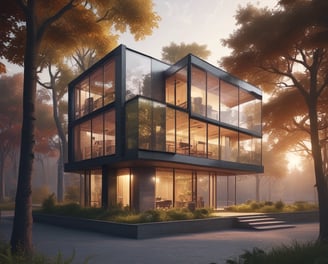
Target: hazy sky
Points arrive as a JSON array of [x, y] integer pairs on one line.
[[203, 22]]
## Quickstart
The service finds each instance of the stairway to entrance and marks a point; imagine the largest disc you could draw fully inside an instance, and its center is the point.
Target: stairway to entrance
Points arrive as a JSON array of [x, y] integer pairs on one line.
[[261, 222]]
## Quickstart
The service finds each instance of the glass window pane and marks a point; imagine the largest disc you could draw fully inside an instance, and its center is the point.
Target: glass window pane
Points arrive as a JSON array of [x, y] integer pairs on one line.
[[85, 139], [249, 111], [131, 124], [170, 129], [183, 188], [170, 90], [95, 188], [110, 133], [109, 82], [213, 97], [203, 189], [123, 187], [77, 100], [164, 188], [229, 103], [97, 136], [182, 133], [158, 131], [228, 145], [198, 91], [77, 143], [198, 138], [181, 88], [213, 141], [97, 88], [249, 149], [85, 104], [145, 123], [138, 77]]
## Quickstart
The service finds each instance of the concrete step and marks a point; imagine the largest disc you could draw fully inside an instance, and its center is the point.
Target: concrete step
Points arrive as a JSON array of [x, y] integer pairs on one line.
[[261, 222]]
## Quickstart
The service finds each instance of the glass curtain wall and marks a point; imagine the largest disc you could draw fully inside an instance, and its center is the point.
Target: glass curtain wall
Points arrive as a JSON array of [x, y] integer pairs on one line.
[[95, 188], [228, 103], [164, 188], [176, 89], [198, 91], [96, 137], [203, 190], [96, 90], [182, 188], [138, 75]]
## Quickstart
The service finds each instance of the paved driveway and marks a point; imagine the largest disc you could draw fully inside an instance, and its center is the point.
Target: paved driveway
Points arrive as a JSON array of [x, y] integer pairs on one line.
[[205, 248]]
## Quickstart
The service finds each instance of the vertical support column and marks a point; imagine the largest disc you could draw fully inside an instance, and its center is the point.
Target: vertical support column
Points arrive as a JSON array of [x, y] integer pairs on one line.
[[104, 187], [143, 189], [111, 187]]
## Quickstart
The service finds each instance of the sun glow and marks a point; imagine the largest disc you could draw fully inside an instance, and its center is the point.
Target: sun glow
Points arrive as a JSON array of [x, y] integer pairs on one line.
[[294, 161]]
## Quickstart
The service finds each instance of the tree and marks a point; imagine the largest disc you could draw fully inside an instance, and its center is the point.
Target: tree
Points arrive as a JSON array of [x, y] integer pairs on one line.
[[28, 27], [10, 121], [175, 52], [283, 50]]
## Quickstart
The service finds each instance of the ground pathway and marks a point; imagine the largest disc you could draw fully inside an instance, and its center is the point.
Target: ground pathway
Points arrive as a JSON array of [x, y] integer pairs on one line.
[[204, 248]]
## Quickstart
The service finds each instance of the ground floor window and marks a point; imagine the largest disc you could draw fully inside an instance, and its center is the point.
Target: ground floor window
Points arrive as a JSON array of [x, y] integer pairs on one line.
[[123, 187], [95, 188], [164, 188]]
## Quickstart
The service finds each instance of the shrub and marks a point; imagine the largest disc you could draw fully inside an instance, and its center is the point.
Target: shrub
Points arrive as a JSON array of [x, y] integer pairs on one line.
[[309, 253], [279, 205], [178, 214], [151, 216], [48, 204]]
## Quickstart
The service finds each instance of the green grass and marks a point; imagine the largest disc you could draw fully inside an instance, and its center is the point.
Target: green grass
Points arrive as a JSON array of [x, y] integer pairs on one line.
[[7, 206], [6, 257], [272, 207], [307, 253]]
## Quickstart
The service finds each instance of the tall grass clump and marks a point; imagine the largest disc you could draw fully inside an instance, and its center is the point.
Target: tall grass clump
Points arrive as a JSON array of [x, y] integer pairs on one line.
[[7, 257], [271, 207], [296, 253]]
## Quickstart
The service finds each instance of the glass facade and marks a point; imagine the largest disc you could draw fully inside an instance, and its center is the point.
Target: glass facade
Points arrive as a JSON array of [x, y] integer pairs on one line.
[[158, 127], [95, 91], [131, 105], [95, 137]]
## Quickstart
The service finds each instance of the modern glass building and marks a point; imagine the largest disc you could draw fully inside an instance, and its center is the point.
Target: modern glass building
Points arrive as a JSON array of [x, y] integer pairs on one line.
[[148, 135]]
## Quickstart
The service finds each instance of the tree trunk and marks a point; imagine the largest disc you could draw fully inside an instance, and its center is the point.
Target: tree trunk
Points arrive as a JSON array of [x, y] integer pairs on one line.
[[21, 238], [62, 144], [2, 179], [321, 182]]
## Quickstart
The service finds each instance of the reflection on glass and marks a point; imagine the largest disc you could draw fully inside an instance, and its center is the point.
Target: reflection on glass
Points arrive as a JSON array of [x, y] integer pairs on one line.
[[213, 98], [229, 103], [123, 187], [131, 124], [138, 75], [198, 91], [183, 188], [249, 149], [203, 186], [228, 145], [95, 188], [249, 111], [109, 82], [176, 88], [213, 141], [170, 129], [96, 89]]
